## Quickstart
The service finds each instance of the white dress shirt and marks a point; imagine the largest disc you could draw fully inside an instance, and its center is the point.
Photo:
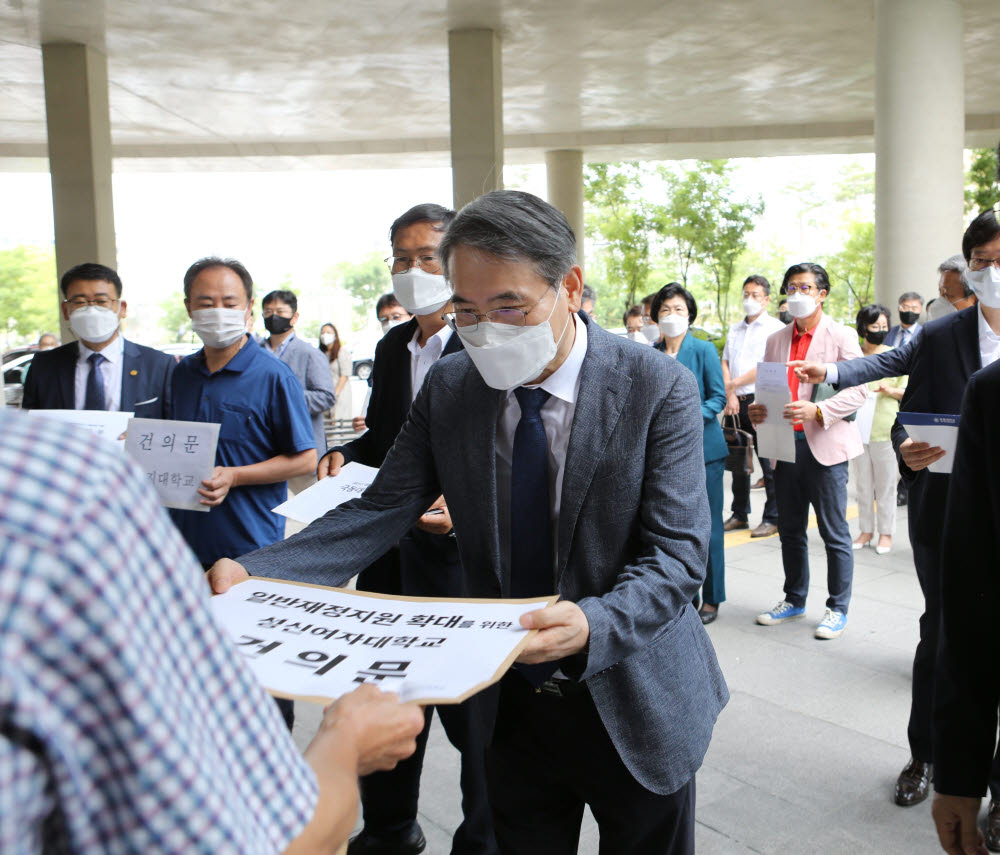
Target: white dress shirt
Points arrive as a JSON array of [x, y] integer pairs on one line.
[[745, 346], [563, 385], [422, 358], [989, 341], [111, 373]]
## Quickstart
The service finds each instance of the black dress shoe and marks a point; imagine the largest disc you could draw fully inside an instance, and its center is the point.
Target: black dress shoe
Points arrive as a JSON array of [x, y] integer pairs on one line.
[[407, 842], [992, 830], [708, 615], [913, 784]]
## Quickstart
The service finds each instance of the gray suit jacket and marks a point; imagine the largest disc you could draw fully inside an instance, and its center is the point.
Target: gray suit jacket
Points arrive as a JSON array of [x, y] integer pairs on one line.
[[632, 532], [311, 366]]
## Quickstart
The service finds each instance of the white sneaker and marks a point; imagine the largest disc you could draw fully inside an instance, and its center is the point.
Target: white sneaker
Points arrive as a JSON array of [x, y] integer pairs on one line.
[[832, 625]]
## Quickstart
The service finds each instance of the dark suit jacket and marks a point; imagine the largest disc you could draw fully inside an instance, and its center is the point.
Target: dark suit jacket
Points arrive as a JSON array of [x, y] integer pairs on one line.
[[891, 363], [966, 691], [945, 355], [633, 532], [391, 396], [146, 376]]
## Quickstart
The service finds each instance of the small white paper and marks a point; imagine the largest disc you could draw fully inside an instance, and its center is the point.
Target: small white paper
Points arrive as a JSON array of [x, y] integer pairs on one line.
[[107, 424], [325, 495], [775, 436], [316, 643], [937, 430], [866, 416], [176, 457]]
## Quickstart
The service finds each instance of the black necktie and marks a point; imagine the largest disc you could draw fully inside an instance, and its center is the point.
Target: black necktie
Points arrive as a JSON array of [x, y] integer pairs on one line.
[[530, 513], [93, 398]]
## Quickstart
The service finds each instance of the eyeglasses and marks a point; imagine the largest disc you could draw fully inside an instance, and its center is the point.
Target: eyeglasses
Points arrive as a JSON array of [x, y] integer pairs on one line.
[[395, 316], [801, 289], [983, 263], [469, 321], [79, 302], [402, 263], [267, 313]]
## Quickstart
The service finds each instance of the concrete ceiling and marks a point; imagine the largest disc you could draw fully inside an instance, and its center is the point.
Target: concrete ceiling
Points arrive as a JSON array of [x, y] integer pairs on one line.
[[327, 83]]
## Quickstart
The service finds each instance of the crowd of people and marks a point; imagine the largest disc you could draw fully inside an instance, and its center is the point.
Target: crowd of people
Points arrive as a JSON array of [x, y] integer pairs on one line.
[[522, 451]]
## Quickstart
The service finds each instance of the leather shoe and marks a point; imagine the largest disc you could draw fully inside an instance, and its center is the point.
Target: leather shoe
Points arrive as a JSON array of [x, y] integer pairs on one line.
[[732, 524], [407, 842], [765, 529], [913, 784], [708, 615], [992, 830]]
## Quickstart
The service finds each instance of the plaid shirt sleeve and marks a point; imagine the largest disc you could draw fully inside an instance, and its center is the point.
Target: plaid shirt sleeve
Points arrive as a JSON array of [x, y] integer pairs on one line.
[[128, 723]]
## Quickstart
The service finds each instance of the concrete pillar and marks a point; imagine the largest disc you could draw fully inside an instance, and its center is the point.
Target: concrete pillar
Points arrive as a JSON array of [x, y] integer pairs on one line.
[[919, 135], [79, 131], [474, 71], [564, 175]]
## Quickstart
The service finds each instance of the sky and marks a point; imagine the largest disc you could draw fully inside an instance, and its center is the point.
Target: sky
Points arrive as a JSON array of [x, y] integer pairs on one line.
[[297, 225]]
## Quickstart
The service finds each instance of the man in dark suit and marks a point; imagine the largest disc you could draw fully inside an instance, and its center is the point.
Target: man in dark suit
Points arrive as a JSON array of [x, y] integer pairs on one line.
[[966, 695], [102, 370], [940, 362], [911, 304], [572, 462], [426, 562]]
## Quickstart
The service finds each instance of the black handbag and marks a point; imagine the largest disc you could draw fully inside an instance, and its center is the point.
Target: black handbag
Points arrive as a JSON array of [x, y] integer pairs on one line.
[[740, 442]]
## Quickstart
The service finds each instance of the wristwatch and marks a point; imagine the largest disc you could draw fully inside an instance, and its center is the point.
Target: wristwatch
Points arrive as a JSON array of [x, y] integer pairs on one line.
[[819, 415]]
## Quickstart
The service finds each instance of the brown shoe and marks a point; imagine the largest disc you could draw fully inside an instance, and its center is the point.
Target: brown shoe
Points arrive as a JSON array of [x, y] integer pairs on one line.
[[764, 530], [992, 828], [759, 485], [732, 524], [914, 784]]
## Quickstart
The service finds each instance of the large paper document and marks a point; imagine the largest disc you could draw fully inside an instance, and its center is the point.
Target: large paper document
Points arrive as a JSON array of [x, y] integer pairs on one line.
[[775, 436], [176, 457], [314, 643], [939, 430], [107, 424], [325, 495], [866, 417]]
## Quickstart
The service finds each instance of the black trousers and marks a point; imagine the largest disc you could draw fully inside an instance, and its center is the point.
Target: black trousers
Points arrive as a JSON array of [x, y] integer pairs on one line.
[[549, 757], [428, 565], [741, 482]]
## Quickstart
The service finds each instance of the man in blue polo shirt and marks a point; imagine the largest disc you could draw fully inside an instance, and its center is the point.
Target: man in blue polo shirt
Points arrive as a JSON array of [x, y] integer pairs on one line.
[[265, 436]]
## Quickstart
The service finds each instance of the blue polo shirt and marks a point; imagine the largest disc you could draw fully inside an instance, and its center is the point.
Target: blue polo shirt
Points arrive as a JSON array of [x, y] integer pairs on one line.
[[261, 409]]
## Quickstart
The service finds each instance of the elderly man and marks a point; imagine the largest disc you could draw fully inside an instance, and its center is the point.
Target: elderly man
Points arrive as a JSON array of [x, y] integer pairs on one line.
[[954, 293], [940, 362], [572, 463]]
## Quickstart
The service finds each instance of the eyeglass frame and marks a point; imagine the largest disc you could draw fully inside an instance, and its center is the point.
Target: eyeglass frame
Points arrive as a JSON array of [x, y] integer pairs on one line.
[[450, 318], [411, 262], [79, 301], [986, 263], [800, 289]]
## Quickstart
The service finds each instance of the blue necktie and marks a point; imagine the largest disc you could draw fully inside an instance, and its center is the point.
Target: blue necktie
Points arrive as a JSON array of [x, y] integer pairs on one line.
[[93, 398], [530, 513]]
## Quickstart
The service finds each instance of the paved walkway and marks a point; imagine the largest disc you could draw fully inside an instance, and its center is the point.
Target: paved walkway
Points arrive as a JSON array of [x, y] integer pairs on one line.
[[805, 755]]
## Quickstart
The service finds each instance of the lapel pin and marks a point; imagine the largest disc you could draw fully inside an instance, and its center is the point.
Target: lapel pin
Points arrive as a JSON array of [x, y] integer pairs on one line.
[[133, 372]]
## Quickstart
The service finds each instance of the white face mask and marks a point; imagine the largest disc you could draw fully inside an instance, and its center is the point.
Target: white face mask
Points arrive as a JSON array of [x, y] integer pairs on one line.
[[752, 308], [92, 323], [986, 285], [651, 332], [801, 305], [219, 328], [327, 338], [641, 338], [420, 292], [939, 308], [388, 325], [673, 325], [507, 356]]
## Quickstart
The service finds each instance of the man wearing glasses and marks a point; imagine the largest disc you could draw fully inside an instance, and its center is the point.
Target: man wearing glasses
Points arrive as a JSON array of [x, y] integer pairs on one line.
[[572, 463], [426, 561], [824, 442], [102, 370]]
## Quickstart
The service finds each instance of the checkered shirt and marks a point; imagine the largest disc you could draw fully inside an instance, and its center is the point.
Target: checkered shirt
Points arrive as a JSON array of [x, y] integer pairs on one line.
[[128, 723]]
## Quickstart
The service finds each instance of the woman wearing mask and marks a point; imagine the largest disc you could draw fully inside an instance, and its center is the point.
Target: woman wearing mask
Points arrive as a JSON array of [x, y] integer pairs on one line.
[[340, 369], [674, 310], [876, 471]]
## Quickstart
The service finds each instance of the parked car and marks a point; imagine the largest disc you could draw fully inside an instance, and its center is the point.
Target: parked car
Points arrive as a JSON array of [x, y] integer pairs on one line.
[[14, 370]]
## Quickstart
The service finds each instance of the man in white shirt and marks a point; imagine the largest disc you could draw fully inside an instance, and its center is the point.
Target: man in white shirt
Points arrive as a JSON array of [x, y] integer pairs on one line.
[[744, 349]]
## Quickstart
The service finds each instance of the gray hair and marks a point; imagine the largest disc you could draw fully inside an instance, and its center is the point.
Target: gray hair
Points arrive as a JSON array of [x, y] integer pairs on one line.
[[514, 226], [957, 264]]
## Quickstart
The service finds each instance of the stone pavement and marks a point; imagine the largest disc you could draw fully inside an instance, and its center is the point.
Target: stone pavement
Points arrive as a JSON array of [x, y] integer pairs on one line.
[[805, 755]]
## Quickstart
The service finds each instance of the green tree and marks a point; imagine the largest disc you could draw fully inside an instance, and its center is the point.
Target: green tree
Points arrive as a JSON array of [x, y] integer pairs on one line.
[[706, 224], [174, 320], [365, 280], [853, 269], [982, 181], [619, 222], [29, 302]]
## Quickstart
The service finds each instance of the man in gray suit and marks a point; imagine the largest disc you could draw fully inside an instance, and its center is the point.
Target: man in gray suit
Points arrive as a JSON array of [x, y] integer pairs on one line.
[[571, 461]]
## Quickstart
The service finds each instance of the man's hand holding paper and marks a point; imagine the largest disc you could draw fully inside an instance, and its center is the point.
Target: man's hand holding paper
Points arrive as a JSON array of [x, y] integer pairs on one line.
[[563, 629]]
